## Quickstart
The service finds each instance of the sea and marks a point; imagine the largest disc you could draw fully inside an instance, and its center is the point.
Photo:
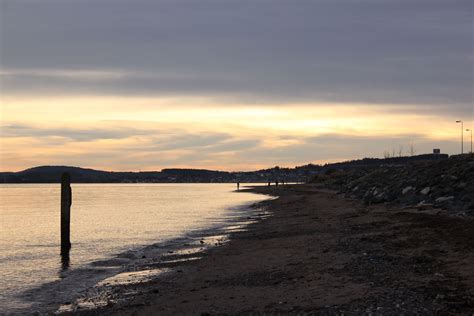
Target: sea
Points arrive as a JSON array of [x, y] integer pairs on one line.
[[107, 221]]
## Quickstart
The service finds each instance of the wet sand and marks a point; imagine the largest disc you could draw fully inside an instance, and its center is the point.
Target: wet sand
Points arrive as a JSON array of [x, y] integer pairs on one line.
[[319, 253]]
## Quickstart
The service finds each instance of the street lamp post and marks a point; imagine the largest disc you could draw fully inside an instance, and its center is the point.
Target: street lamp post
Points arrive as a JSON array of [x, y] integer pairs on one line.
[[462, 136], [470, 130]]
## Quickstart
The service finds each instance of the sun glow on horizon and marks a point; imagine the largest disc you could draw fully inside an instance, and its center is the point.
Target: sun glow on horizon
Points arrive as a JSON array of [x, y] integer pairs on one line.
[[153, 133]]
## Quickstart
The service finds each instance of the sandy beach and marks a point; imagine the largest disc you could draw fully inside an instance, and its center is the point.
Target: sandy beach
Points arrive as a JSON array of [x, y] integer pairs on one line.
[[320, 253]]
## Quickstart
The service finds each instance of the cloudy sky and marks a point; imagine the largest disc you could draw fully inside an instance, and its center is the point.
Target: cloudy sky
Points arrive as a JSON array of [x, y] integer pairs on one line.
[[233, 85]]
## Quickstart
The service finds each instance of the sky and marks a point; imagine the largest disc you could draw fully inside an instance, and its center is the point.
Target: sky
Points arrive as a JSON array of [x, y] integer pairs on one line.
[[231, 85]]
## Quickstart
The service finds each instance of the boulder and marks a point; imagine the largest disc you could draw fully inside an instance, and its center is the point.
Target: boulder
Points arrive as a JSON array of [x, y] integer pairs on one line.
[[444, 199], [425, 191], [407, 189]]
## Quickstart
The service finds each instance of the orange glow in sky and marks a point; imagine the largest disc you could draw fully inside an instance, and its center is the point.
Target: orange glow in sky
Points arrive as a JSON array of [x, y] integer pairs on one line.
[[152, 133]]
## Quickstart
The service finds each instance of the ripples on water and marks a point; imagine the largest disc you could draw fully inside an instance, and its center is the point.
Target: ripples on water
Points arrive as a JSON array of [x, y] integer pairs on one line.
[[106, 220]]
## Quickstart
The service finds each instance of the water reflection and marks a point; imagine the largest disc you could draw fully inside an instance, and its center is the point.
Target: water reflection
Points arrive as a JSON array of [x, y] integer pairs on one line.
[[108, 219], [65, 261]]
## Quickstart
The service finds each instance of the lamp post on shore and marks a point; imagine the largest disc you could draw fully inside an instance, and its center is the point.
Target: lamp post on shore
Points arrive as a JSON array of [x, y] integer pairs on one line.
[[470, 130], [462, 136]]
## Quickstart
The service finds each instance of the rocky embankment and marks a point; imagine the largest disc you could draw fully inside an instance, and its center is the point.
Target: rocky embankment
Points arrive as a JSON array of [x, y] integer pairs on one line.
[[447, 184]]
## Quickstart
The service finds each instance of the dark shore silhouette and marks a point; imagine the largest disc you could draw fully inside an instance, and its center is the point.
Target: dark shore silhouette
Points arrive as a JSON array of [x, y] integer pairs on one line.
[[52, 174]]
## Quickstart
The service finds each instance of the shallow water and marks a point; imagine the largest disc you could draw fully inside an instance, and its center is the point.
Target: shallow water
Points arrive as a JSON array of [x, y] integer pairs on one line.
[[106, 220]]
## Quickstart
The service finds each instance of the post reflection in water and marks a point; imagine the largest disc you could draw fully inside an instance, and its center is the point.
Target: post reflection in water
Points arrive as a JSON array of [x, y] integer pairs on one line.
[[65, 261]]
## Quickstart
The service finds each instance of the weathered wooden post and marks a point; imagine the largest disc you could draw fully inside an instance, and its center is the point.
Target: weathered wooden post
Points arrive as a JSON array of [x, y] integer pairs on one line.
[[66, 201]]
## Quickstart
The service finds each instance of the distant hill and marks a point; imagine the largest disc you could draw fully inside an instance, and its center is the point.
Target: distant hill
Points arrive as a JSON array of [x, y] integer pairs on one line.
[[52, 174]]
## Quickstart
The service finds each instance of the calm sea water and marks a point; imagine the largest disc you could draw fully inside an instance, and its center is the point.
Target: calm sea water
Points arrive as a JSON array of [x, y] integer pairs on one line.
[[106, 219]]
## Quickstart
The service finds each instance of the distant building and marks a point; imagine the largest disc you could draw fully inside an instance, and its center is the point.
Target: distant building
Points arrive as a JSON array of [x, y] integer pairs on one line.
[[436, 151]]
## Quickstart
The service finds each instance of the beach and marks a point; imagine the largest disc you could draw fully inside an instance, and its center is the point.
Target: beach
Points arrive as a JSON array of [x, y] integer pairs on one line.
[[319, 253]]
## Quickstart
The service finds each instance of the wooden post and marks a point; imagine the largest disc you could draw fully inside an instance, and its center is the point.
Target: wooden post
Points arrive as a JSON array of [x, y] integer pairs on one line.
[[66, 201]]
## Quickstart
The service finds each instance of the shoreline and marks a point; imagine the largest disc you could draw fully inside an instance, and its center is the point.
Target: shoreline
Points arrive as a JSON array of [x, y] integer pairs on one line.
[[158, 261], [321, 253], [91, 286]]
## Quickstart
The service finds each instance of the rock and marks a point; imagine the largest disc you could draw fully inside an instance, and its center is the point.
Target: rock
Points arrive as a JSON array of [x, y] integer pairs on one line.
[[425, 191], [407, 189], [424, 206], [440, 296], [444, 199], [449, 182]]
